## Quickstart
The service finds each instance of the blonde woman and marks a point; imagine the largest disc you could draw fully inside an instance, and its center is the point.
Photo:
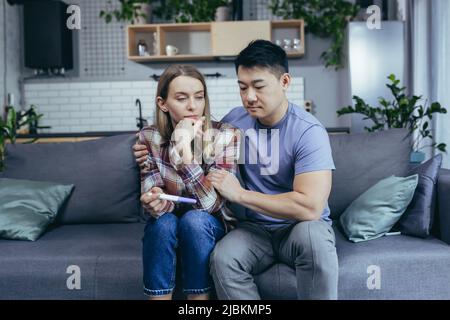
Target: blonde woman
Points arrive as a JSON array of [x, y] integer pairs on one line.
[[183, 146]]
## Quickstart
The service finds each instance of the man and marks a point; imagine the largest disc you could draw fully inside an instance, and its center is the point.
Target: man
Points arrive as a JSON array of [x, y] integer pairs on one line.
[[287, 178]]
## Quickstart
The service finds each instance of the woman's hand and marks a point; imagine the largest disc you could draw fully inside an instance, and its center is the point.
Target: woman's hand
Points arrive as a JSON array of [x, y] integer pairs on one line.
[[186, 131], [152, 204]]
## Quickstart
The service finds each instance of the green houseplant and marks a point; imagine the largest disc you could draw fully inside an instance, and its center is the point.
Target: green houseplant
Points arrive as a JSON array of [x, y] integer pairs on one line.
[[10, 125], [176, 10], [189, 10], [130, 11], [402, 112], [323, 18]]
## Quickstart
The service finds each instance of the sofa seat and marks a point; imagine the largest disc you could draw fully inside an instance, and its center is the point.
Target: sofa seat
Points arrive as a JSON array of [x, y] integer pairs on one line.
[[410, 268], [108, 255]]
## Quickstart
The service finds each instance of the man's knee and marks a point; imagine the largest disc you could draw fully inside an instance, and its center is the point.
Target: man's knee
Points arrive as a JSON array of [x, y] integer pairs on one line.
[[308, 236], [228, 254], [221, 256]]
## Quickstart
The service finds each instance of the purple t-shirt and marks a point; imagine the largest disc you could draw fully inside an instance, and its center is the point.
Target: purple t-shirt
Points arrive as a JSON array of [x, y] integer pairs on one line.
[[298, 143]]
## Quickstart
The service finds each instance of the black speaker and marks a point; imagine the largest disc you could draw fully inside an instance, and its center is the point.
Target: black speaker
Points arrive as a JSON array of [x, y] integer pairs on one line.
[[48, 41]]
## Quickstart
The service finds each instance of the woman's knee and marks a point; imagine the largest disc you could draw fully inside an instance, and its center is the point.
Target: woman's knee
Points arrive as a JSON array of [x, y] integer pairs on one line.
[[195, 221], [164, 226]]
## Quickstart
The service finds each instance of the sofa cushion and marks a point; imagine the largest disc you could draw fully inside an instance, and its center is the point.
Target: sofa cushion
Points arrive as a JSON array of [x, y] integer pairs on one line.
[[92, 261], [363, 159], [28, 207], [418, 217], [104, 173], [375, 212], [408, 268]]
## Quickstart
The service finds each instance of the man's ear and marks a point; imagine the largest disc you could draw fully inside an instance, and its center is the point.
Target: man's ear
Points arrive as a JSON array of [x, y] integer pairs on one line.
[[285, 81], [161, 104]]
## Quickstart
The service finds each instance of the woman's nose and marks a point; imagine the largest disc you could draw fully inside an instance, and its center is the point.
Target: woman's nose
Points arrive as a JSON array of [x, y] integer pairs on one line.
[[192, 104]]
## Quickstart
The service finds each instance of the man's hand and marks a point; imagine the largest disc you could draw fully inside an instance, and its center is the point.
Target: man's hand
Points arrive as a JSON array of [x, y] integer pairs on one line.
[[140, 153], [151, 203], [226, 184]]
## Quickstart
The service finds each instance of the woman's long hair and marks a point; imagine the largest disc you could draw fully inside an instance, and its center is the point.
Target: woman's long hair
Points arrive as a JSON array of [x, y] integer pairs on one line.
[[163, 120]]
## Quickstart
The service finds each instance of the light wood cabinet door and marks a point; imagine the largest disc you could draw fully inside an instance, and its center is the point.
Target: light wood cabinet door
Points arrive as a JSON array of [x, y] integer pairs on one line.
[[230, 37]]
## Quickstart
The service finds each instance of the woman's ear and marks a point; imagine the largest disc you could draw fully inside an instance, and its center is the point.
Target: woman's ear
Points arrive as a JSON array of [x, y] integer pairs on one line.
[[161, 104]]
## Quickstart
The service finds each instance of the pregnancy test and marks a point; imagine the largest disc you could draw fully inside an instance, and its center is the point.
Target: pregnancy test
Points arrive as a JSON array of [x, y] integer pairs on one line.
[[169, 197]]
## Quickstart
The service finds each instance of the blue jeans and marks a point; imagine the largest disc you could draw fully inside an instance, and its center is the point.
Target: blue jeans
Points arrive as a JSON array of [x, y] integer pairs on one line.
[[195, 233]]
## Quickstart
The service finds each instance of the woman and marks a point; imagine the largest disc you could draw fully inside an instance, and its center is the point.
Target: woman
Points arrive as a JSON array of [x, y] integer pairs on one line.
[[184, 146]]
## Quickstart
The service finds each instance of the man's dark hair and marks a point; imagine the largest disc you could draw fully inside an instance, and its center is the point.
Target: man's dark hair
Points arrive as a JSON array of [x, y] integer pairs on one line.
[[263, 53]]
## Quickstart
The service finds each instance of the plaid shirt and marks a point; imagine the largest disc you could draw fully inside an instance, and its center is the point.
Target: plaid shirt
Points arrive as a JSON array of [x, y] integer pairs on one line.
[[165, 169]]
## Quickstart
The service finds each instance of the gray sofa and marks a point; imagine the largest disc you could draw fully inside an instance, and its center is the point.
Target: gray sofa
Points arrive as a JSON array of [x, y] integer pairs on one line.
[[99, 230]]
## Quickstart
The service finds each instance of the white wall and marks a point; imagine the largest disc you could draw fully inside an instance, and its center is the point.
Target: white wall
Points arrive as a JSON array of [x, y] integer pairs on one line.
[[2, 54], [10, 52], [110, 106]]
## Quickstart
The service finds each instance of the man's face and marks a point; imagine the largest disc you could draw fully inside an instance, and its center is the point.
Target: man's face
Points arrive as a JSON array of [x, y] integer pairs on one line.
[[262, 93]]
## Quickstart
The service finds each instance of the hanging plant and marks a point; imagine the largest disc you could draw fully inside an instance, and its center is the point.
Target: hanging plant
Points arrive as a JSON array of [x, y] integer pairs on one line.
[[323, 18]]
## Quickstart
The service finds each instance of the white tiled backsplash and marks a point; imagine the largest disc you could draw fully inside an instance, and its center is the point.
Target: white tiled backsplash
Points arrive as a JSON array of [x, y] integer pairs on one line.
[[110, 106]]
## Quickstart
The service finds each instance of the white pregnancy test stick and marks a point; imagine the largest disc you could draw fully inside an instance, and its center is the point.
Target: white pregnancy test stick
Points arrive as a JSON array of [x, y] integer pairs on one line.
[[169, 197]]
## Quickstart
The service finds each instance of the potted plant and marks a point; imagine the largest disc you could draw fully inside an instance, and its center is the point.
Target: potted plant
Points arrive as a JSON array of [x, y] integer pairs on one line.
[[10, 125], [189, 10], [132, 11], [223, 11], [325, 19], [403, 112]]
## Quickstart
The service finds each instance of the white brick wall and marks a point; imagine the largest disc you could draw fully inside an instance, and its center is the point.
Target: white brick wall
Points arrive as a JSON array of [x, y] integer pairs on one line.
[[110, 106]]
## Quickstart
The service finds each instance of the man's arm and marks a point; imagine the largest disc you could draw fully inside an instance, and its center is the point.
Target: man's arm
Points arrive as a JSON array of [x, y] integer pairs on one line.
[[140, 152], [306, 202]]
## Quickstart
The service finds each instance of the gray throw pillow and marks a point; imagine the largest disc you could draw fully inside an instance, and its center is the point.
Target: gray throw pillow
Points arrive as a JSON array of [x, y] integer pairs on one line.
[[373, 214], [363, 159], [104, 172], [418, 217], [28, 207]]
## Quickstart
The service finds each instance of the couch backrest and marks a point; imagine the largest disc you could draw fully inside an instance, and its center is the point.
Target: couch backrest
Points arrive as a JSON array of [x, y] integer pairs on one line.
[[104, 173], [362, 160]]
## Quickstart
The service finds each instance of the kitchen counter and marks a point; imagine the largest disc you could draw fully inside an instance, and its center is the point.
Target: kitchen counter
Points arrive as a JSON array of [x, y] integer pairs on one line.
[[88, 134], [95, 134]]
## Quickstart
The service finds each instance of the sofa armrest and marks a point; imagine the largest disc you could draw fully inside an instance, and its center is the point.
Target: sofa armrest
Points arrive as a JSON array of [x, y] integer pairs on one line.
[[443, 194]]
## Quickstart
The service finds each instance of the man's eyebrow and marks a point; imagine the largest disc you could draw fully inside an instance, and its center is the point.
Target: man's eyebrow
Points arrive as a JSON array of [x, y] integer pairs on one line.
[[253, 82]]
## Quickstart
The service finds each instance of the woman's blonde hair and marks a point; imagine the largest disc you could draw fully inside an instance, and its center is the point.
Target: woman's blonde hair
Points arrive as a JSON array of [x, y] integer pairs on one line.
[[162, 119]]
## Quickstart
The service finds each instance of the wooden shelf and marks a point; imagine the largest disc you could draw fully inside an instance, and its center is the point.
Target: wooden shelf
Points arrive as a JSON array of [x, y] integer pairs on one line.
[[290, 29], [209, 40]]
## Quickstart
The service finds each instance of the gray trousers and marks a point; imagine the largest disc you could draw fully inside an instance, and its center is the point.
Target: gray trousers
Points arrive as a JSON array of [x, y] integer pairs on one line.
[[250, 249]]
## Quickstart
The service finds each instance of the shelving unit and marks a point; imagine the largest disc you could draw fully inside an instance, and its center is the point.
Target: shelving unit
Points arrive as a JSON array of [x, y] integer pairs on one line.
[[209, 40], [291, 29]]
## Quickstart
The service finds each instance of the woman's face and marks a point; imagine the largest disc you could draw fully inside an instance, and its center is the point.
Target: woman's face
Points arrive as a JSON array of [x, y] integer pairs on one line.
[[185, 99]]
